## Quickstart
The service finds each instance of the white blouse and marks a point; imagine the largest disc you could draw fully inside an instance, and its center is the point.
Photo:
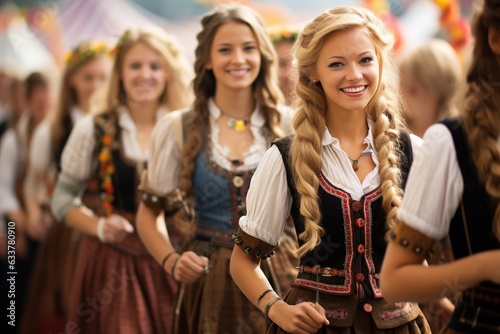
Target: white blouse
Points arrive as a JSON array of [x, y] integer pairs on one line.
[[435, 185], [13, 154], [41, 155], [269, 200], [78, 163], [165, 163]]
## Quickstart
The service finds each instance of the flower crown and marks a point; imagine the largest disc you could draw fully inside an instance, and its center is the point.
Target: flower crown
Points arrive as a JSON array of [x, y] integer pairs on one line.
[[85, 52], [120, 42], [281, 33]]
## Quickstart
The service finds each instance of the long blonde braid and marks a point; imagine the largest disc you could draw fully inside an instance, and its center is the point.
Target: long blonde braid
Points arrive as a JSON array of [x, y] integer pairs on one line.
[[384, 110]]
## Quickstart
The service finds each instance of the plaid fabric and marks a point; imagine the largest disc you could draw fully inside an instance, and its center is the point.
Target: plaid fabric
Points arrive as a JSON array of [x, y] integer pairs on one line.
[[120, 290], [363, 322], [49, 286], [214, 304]]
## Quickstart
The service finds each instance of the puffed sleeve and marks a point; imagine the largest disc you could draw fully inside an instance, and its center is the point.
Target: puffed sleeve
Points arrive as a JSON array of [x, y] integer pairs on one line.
[[164, 165], [40, 157], [9, 167], [434, 186], [268, 200], [77, 166]]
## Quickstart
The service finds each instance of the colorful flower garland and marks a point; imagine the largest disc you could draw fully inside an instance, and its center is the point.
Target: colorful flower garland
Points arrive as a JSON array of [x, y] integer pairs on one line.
[[106, 171], [85, 52], [120, 42], [279, 33]]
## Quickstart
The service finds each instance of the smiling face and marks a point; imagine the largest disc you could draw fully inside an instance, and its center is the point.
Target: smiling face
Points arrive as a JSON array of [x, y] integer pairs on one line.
[[144, 74], [235, 58], [348, 70], [90, 76]]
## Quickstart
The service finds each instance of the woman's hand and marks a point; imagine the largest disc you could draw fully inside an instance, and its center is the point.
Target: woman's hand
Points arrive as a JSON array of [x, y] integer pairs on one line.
[[189, 267], [303, 318], [37, 225], [114, 229]]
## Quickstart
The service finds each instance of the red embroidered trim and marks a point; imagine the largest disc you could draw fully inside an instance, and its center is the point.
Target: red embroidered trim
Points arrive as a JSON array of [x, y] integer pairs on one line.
[[396, 313], [368, 241], [348, 281], [337, 313]]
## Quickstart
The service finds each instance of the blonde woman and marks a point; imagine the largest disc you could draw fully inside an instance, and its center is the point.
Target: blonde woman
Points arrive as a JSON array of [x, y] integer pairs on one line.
[[87, 67], [234, 118], [431, 76], [459, 161], [341, 178], [118, 287]]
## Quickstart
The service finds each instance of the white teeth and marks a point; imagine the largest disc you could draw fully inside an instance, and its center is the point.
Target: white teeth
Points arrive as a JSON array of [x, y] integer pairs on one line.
[[354, 90], [238, 72]]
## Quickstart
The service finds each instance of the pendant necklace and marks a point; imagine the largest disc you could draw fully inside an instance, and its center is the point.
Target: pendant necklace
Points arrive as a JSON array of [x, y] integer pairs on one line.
[[355, 162], [235, 123]]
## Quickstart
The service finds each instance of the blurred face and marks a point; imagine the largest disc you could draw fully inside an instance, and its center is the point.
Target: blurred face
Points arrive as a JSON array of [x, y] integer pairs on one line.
[[235, 58], [283, 49], [421, 104], [39, 103], [89, 77], [144, 74], [347, 69]]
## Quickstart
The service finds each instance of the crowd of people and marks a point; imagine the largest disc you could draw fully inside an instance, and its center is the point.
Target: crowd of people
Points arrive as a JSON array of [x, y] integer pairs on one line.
[[297, 179]]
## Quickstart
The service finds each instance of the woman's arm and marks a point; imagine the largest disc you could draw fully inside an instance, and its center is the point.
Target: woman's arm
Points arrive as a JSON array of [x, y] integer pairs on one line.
[[164, 167], [300, 318], [268, 206], [40, 155], [402, 268]]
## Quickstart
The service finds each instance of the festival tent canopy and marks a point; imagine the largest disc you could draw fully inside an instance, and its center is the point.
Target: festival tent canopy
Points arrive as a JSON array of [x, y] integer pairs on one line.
[[21, 50], [106, 20]]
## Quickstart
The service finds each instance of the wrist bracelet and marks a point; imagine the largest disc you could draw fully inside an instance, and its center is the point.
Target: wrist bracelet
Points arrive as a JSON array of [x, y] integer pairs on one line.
[[166, 258], [271, 303], [263, 294], [173, 266], [100, 229]]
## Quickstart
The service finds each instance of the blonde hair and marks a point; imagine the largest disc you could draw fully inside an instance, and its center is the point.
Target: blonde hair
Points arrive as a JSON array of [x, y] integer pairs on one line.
[[81, 55], [177, 93], [265, 88], [436, 67], [384, 109], [481, 111]]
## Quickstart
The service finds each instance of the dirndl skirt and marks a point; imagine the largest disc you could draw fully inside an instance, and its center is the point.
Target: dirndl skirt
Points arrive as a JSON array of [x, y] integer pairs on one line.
[[363, 321], [49, 286], [120, 289], [214, 304]]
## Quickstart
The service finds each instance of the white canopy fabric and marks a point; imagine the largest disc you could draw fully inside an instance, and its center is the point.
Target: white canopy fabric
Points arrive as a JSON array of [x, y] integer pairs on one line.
[[21, 50], [84, 20]]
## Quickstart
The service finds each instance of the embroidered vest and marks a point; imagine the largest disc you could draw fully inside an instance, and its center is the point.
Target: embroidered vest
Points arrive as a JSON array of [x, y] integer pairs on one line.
[[353, 244], [479, 309], [219, 194]]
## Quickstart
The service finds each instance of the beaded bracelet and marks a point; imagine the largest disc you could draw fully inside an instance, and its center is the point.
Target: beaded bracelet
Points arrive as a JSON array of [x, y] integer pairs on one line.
[[166, 258], [263, 294], [271, 303]]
